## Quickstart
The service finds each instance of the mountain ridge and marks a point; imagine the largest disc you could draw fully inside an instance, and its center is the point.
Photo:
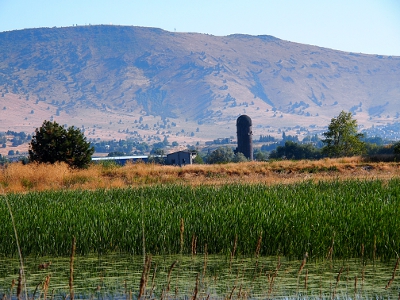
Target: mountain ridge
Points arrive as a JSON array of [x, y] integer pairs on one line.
[[122, 73]]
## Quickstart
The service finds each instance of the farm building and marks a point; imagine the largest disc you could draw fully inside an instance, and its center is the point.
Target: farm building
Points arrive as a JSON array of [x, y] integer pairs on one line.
[[181, 158], [121, 160]]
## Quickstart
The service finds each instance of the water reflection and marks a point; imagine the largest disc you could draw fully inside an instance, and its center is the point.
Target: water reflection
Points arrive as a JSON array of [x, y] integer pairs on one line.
[[118, 276]]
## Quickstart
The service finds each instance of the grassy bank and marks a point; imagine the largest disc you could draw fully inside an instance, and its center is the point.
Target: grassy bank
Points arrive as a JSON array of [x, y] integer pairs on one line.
[[351, 218], [22, 178]]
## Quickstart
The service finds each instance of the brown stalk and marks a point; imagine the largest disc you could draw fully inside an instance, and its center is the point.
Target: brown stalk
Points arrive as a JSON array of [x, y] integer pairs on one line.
[[143, 279], [362, 253], [393, 274], [153, 280], [194, 245], [239, 294], [12, 287], [34, 293], [231, 294], [258, 248], [196, 288], [182, 230], [303, 263], [19, 286], [355, 287], [205, 261], [329, 256], [337, 282], [71, 269], [272, 278], [233, 251], [46, 284], [169, 275]]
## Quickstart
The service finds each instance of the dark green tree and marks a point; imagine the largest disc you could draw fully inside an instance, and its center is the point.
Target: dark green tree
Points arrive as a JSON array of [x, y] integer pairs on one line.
[[157, 156], [342, 138], [396, 148], [239, 157], [221, 155], [292, 150], [53, 143]]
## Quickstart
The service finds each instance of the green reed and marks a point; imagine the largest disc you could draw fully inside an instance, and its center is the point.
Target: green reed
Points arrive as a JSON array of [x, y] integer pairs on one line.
[[357, 218]]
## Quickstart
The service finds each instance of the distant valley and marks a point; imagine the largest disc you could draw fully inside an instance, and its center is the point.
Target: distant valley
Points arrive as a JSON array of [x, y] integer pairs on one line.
[[117, 82]]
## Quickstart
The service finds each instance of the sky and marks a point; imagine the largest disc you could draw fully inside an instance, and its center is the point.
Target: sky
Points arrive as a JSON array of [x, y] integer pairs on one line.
[[360, 26]]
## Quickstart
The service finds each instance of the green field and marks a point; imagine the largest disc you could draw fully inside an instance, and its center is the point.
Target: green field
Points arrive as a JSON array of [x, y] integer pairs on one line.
[[358, 218]]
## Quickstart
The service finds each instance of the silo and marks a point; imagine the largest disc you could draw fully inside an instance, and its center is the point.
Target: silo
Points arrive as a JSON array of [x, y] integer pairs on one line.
[[244, 133]]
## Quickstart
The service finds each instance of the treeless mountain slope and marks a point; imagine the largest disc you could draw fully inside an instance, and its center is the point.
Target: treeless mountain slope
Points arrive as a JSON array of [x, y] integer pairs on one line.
[[133, 71]]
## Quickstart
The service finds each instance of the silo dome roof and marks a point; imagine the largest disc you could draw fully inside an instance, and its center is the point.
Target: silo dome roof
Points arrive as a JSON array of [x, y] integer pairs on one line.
[[243, 120]]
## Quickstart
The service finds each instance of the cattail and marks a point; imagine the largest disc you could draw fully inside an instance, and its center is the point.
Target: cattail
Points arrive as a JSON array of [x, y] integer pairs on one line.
[[176, 292], [169, 275], [362, 252], [71, 269], [205, 261], [393, 274], [46, 284], [355, 287], [34, 292], [196, 288], [182, 230], [337, 282], [12, 287], [303, 263], [44, 265], [330, 251], [258, 248], [153, 280], [240, 292], [233, 251], [143, 279], [19, 286], [274, 275], [194, 245], [231, 294]]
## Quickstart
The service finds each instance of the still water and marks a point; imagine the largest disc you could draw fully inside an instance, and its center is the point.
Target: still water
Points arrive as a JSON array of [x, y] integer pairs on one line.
[[118, 276]]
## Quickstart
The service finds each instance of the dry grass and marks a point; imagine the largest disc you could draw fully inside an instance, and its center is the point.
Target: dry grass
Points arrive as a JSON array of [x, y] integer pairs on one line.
[[38, 177]]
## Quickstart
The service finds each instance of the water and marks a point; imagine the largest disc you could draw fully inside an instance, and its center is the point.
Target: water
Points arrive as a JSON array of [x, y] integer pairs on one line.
[[118, 276]]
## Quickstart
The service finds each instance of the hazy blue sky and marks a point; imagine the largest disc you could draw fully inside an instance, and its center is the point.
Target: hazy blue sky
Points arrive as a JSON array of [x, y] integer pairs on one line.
[[367, 26]]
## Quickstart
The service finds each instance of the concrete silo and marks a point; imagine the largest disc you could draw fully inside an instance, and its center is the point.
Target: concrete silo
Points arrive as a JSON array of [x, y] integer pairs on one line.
[[244, 133]]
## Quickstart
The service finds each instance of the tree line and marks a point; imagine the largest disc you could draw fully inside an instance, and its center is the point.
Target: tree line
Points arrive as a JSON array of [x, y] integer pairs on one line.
[[54, 143]]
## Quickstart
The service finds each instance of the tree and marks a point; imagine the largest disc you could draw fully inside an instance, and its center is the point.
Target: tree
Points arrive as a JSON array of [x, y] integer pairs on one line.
[[396, 148], [342, 138], [292, 150], [239, 157], [157, 157], [221, 155], [53, 143]]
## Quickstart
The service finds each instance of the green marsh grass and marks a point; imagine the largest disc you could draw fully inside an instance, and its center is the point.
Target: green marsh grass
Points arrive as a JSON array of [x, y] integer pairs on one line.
[[353, 218]]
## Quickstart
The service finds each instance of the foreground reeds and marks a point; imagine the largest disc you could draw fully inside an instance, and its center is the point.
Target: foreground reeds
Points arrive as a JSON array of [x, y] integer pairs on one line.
[[17, 177], [121, 276], [333, 219]]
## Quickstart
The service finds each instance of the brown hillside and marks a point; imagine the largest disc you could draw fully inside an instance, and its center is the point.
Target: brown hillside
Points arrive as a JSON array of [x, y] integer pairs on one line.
[[107, 77]]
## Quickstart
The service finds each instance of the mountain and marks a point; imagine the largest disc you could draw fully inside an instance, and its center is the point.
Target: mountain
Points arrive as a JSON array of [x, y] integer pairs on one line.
[[147, 84]]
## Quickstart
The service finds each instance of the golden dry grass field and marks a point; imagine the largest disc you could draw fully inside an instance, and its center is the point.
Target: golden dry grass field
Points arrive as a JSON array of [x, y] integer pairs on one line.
[[17, 178]]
